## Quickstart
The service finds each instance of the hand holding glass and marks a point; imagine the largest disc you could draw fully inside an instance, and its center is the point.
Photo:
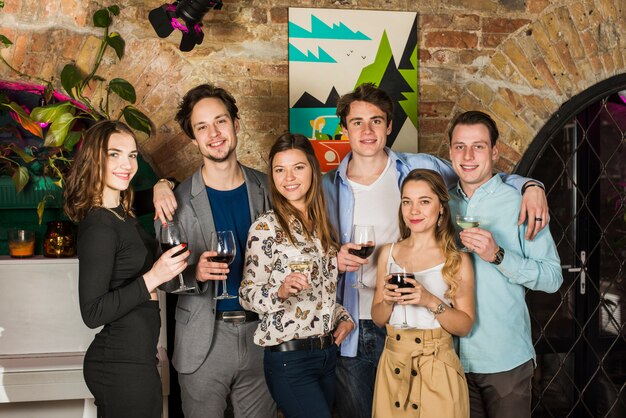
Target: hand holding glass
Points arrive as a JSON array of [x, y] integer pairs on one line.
[[362, 235], [173, 234], [467, 221], [223, 243], [302, 263], [398, 277]]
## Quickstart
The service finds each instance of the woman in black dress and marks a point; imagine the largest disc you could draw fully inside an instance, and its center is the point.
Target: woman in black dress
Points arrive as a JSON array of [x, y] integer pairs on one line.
[[118, 275]]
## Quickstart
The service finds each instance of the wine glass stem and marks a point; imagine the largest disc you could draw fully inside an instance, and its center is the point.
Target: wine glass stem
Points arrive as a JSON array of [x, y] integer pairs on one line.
[[404, 309], [361, 275], [180, 278], [224, 289]]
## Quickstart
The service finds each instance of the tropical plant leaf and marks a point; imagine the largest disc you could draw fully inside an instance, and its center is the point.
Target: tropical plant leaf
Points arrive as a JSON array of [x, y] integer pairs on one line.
[[21, 117], [115, 41], [123, 89], [50, 113], [5, 41], [115, 9], [20, 178], [137, 120], [72, 139], [26, 157], [70, 78], [40, 208], [58, 131], [101, 18]]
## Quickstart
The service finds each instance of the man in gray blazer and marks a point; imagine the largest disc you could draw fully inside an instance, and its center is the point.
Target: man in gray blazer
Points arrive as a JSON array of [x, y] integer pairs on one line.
[[214, 352]]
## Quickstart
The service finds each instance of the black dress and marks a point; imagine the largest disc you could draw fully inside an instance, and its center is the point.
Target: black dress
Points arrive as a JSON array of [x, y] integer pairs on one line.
[[120, 364]]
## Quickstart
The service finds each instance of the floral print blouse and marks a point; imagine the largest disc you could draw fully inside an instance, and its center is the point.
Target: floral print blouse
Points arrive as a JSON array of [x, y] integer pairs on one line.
[[312, 312]]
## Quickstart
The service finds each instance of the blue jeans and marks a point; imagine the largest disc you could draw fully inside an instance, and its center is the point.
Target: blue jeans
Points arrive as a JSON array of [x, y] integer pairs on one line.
[[356, 375], [302, 382]]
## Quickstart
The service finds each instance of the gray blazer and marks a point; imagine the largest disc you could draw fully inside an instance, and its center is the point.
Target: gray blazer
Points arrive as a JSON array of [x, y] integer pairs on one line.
[[195, 314]]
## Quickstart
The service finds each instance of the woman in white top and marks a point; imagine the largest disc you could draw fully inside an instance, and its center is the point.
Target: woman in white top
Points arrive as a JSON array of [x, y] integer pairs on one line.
[[301, 323], [419, 373]]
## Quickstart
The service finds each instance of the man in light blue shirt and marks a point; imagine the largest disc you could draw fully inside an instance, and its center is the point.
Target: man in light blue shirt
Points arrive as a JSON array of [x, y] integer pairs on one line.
[[498, 353], [365, 189]]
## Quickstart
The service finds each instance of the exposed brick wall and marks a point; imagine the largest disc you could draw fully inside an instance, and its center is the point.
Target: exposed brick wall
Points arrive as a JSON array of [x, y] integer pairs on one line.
[[517, 60]]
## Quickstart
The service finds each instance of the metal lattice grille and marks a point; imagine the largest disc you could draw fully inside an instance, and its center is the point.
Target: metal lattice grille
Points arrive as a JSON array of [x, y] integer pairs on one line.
[[579, 332]]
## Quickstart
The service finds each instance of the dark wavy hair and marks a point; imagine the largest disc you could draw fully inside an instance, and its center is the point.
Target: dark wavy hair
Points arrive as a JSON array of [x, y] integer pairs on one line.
[[366, 92], [85, 181], [314, 199], [193, 96], [444, 231], [475, 117]]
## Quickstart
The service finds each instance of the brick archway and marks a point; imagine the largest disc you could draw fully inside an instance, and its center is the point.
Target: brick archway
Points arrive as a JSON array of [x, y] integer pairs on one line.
[[566, 50]]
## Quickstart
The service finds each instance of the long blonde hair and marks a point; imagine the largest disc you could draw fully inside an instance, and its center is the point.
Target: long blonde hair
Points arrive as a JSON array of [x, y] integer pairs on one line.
[[314, 199], [444, 231]]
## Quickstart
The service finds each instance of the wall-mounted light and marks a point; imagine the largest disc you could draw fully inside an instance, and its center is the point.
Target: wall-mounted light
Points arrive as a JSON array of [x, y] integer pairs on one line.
[[184, 15]]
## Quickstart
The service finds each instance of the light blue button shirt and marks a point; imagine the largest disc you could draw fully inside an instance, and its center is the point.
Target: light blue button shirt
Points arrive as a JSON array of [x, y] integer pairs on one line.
[[500, 339], [340, 205]]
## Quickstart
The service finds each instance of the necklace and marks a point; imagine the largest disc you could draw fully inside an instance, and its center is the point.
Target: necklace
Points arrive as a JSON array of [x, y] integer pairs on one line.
[[117, 215]]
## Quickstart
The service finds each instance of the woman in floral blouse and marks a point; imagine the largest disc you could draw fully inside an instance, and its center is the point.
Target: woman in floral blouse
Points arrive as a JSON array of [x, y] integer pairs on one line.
[[301, 323]]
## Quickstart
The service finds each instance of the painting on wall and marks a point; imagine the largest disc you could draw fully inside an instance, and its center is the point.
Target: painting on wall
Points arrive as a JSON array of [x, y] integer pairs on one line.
[[330, 53]]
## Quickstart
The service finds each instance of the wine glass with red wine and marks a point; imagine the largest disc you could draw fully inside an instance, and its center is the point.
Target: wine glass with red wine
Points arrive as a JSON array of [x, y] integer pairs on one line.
[[173, 234], [398, 277], [362, 235], [223, 242]]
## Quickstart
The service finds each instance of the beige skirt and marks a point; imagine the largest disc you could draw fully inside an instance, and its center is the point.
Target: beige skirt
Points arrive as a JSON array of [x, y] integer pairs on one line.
[[420, 375]]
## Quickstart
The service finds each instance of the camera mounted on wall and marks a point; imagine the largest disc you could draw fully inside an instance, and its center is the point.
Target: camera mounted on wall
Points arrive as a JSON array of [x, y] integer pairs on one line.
[[185, 16]]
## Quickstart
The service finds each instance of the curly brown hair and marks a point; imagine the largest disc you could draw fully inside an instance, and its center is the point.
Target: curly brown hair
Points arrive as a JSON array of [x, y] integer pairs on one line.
[[85, 181]]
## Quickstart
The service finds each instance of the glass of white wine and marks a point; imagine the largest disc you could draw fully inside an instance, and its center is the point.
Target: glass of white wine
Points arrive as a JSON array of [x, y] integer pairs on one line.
[[302, 263], [467, 221]]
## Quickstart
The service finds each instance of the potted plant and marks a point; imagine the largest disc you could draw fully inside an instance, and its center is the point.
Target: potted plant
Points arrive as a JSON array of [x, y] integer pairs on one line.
[[40, 126], [59, 120]]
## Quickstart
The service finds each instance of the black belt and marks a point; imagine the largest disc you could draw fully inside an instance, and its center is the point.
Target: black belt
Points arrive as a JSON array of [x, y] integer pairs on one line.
[[237, 316], [313, 343]]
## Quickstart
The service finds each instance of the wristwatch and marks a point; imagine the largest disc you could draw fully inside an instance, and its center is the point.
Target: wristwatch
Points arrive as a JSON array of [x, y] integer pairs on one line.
[[499, 256], [439, 309]]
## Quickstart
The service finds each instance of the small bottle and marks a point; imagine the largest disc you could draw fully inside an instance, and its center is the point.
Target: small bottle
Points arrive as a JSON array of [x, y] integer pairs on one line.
[[59, 240]]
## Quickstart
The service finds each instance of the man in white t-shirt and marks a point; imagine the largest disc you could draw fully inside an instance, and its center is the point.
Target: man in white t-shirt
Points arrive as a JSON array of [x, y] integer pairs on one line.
[[365, 190]]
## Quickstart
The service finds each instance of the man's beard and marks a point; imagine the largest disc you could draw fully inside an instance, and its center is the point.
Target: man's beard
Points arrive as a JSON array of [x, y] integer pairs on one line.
[[220, 159]]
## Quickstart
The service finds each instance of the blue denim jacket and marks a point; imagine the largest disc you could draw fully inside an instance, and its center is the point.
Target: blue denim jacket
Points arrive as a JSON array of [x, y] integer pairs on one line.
[[340, 206]]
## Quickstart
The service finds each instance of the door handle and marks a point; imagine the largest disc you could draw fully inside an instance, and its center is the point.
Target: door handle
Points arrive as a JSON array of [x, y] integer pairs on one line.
[[582, 288]]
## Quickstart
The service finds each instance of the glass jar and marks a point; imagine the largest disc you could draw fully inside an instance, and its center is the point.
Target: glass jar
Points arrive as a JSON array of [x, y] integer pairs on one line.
[[59, 240]]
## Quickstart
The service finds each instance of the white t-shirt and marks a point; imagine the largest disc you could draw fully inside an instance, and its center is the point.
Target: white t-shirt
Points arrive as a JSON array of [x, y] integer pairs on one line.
[[376, 204]]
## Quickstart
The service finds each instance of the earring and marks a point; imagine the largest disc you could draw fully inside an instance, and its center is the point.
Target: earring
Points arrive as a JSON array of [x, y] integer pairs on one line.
[[439, 221]]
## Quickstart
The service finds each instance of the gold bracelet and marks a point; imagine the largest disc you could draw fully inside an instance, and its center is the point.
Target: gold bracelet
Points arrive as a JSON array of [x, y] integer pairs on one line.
[[169, 183]]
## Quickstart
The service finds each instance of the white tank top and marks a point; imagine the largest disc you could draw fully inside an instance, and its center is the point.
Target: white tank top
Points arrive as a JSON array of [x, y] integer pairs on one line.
[[419, 316]]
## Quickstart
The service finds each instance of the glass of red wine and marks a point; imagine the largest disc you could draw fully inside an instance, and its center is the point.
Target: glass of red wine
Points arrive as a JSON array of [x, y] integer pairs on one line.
[[362, 235], [398, 277], [173, 234], [223, 242]]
